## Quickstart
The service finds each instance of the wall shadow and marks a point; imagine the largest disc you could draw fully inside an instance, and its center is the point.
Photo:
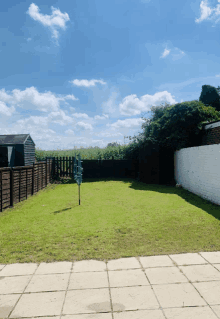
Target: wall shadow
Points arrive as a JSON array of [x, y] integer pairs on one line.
[[193, 199]]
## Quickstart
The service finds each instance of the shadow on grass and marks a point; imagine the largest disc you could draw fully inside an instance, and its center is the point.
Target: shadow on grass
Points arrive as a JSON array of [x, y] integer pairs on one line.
[[193, 199]]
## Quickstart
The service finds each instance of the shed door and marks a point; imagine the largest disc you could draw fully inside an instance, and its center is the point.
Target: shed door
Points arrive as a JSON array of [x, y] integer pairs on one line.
[[11, 155], [3, 156]]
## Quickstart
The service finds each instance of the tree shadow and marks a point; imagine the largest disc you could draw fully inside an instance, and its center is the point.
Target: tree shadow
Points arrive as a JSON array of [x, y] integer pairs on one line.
[[193, 199]]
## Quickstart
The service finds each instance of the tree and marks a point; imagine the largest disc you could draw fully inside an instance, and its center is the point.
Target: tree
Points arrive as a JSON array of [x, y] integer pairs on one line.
[[210, 96], [112, 144], [174, 127]]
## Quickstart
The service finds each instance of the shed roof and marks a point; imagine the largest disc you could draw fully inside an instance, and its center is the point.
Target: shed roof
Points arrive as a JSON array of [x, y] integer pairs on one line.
[[14, 139]]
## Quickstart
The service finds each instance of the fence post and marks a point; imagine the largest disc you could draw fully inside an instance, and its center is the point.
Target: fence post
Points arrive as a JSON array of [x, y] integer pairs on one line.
[[60, 161], [67, 170], [26, 183], [42, 169], [12, 188], [1, 190], [20, 185], [72, 159], [46, 173], [33, 180]]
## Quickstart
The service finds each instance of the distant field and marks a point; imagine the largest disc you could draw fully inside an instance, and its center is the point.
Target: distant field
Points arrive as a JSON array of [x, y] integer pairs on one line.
[[90, 153]]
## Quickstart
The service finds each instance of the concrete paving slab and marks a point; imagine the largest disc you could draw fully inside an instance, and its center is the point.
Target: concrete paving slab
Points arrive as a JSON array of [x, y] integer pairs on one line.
[[86, 280], [7, 303], [133, 298], [89, 265], [188, 313], [87, 301], [131, 288], [200, 273], [39, 304], [178, 295], [19, 269], [156, 261], [42, 283], [54, 268], [165, 275], [217, 266], [140, 314], [212, 257], [210, 291], [125, 278], [188, 259], [86, 316], [216, 310], [123, 263], [11, 285]]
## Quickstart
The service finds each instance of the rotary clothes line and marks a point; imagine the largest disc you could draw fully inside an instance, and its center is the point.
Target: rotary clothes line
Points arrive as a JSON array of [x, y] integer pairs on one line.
[[78, 173]]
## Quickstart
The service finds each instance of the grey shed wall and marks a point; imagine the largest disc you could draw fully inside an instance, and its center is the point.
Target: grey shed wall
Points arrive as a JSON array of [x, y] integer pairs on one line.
[[16, 150]]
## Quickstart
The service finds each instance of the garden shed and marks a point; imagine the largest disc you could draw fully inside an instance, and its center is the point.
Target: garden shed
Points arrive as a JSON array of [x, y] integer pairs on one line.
[[16, 150]]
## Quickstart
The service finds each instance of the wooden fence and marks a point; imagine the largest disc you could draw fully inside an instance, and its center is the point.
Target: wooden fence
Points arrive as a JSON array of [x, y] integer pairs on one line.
[[156, 165], [18, 183], [63, 166]]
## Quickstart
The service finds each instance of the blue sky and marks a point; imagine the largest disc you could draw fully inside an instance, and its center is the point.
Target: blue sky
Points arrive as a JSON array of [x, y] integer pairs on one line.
[[83, 73]]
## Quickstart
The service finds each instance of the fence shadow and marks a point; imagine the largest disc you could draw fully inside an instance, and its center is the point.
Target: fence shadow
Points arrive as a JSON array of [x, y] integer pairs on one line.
[[193, 199]]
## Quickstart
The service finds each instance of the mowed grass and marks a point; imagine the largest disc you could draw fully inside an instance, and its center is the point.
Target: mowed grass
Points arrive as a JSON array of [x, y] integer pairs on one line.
[[116, 218]]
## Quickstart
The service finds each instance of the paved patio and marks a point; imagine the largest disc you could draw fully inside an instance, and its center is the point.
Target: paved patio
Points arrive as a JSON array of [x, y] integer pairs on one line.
[[179, 286]]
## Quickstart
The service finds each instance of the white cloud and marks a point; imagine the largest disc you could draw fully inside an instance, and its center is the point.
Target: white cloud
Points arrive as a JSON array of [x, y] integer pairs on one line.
[[68, 97], [98, 117], [5, 110], [165, 53], [205, 11], [60, 129], [179, 54], [81, 115], [126, 123], [56, 19], [86, 83], [30, 98], [110, 106], [132, 105]]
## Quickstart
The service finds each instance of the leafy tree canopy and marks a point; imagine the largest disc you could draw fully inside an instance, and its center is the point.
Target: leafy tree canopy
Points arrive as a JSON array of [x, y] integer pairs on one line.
[[210, 96], [112, 144], [174, 126]]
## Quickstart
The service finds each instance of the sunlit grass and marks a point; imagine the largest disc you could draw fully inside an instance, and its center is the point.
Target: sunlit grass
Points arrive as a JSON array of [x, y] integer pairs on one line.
[[116, 218]]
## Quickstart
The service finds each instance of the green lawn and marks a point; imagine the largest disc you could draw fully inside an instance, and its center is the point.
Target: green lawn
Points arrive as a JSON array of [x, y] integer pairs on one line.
[[116, 218]]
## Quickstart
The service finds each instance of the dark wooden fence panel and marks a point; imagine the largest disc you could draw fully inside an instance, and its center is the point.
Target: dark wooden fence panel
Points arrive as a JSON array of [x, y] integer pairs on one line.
[[156, 165], [63, 166], [18, 183], [167, 167], [96, 169], [149, 164]]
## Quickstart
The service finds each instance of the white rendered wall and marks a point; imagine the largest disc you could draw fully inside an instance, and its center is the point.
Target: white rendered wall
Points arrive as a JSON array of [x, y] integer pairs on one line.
[[197, 169]]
